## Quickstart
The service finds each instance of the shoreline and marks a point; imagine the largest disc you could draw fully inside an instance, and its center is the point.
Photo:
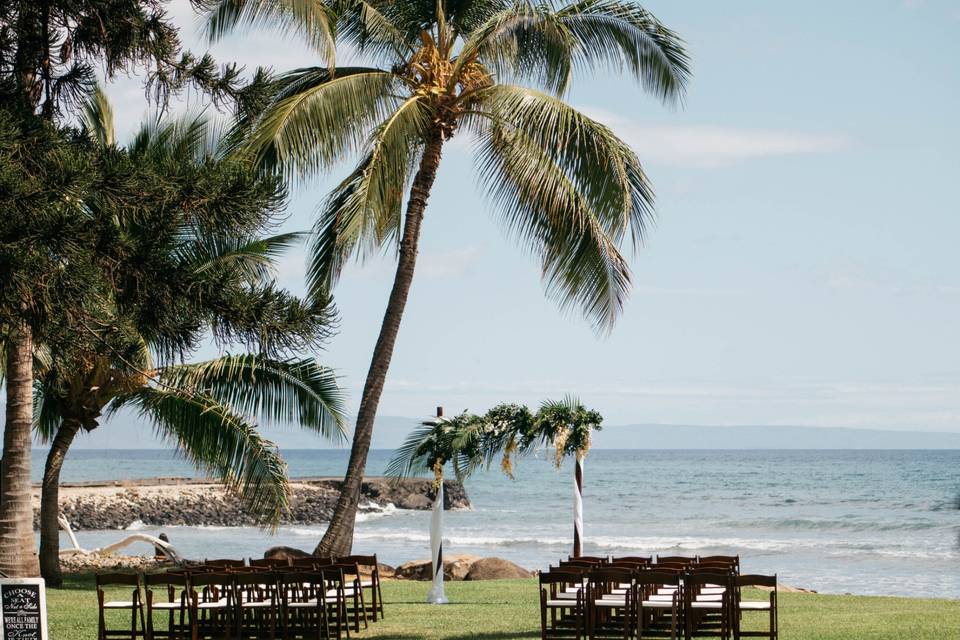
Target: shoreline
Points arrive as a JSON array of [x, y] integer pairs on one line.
[[115, 505]]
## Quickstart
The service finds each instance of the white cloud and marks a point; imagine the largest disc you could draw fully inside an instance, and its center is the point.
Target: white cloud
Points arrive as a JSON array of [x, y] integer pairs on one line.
[[710, 146]]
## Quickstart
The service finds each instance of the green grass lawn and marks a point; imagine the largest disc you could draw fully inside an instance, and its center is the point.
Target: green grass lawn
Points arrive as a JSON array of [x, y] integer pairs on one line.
[[501, 610]]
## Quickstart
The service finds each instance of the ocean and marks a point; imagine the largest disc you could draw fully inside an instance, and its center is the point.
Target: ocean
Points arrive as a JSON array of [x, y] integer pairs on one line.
[[864, 522]]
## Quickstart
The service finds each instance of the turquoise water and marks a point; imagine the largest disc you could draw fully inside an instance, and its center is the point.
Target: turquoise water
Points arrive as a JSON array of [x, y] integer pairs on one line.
[[867, 522]]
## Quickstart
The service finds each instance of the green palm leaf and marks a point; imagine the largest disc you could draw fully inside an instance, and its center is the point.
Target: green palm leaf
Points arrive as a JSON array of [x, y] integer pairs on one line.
[[47, 412], [569, 187], [419, 451], [344, 105], [279, 391], [253, 258], [313, 20], [364, 211], [219, 442], [538, 43], [97, 118]]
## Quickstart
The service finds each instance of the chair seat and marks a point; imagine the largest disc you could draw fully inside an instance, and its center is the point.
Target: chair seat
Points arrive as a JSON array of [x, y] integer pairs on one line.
[[710, 597], [657, 604], [754, 605], [366, 583], [561, 603], [713, 590], [659, 597], [257, 604], [165, 605], [699, 604], [119, 604], [615, 603], [303, 605], [219, 604]]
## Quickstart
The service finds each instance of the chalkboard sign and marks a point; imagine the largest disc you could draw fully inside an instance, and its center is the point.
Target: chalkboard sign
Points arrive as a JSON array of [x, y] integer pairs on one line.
[[23, 609]]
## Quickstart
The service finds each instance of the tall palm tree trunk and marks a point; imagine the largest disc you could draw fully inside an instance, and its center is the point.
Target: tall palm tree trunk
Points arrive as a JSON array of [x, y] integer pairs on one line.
[[18, 556], [50, 503], [338, 539]]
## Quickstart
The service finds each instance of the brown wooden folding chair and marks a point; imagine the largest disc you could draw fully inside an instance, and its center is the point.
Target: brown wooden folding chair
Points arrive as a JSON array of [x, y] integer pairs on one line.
[[708, 603], [562, 616], [134, 605], [769, 606], [213, 605], [168, 594], [611, 602], [370, 581], [659, 603]]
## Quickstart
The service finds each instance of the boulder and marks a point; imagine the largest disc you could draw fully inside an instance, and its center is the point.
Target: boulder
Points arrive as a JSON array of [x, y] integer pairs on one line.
[[414, 501], [454, 568], [386, 571], [284, 553], [496, 569]]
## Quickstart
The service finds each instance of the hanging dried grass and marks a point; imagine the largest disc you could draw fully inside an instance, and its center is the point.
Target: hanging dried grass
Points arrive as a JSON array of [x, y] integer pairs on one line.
[[560, 442], [507, 463], [437, 474]]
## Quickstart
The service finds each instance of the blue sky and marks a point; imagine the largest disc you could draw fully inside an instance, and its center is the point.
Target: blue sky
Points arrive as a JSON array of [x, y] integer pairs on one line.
[[803, 270]]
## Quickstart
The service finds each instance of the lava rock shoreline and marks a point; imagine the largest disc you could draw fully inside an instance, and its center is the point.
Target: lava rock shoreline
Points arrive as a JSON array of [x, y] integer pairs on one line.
[[178, 501]]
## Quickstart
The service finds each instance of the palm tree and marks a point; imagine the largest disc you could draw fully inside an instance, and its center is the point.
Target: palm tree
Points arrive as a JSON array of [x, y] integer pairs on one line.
[[562, 183], [50, 55], [201, 407], [428, 448]]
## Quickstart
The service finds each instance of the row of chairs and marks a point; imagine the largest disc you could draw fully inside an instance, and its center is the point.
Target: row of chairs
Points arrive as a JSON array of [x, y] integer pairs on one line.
[[315, 598], [640, 597]]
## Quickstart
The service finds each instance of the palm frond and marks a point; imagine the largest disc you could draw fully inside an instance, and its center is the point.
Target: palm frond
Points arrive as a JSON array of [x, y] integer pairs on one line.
[[295, 391], [418, 453], [622, 35], [369, 27], [535, 42], [252, 258], [47, 413], [312, 20], [318, 117], [526, 42], [567, 186], [364, 212], [97, 118], [218, 442]]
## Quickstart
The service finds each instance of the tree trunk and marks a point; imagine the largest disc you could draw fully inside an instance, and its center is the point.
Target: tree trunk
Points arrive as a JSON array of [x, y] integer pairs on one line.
[[338, 539], [50, 503], [18, 547]]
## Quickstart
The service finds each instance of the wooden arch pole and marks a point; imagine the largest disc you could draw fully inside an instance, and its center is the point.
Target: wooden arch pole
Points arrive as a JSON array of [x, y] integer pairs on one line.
[[437, 595], [578, 508]]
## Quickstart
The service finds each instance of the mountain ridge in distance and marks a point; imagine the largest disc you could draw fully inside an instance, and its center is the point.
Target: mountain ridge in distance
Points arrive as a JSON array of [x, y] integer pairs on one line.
[[127, 432]]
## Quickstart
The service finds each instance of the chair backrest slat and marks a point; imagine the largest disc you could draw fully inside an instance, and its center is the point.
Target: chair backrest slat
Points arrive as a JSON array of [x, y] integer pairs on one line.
[[754, 580]]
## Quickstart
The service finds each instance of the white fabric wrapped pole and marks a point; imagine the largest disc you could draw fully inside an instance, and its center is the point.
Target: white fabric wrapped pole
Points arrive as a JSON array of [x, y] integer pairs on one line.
[[436, 595], [578, 509]]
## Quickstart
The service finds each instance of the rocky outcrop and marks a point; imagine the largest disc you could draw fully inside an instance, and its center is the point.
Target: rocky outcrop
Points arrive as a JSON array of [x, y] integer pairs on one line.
[[172, 502], [496, 569], [464, 567], [95, 562], [282, 552]]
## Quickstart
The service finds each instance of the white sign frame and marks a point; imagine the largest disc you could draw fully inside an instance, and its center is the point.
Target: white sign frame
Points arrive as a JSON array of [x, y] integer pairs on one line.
[[44, 632]]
